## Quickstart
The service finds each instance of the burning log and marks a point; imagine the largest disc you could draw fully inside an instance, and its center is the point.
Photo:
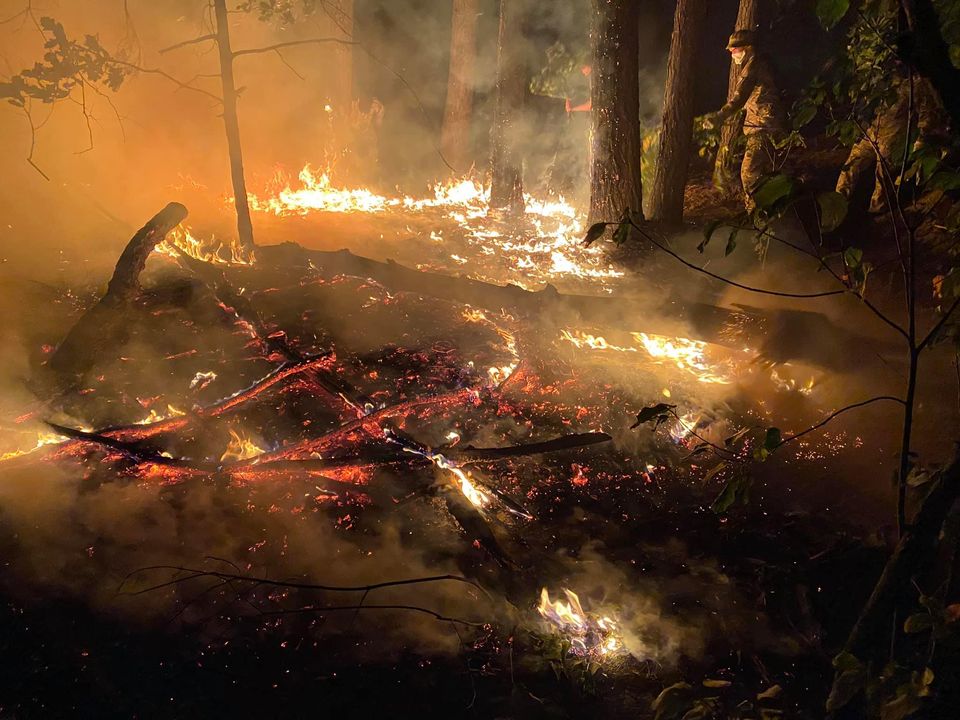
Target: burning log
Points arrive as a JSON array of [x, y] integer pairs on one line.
[[107, 322]]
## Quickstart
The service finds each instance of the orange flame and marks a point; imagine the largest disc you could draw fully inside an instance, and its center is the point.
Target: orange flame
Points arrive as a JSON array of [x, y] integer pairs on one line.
[[588, 634], [240, 448]]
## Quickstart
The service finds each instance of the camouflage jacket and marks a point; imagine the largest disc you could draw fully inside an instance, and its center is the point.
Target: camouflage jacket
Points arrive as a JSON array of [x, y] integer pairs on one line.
[[757, 93]]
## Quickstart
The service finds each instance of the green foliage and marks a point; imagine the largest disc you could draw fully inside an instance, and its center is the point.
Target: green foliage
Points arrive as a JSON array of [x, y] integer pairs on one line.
[[833, 210], [774, 193], [66, 65], [735, 492], [831, 12]]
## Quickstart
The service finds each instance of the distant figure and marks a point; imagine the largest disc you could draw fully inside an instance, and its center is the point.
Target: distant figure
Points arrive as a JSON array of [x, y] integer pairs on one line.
[[887, 133], [580, 91], [764, 124]]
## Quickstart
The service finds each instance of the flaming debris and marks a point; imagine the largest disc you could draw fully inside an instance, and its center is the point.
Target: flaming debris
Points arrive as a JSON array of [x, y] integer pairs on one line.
[[590, 635], [181, 240]]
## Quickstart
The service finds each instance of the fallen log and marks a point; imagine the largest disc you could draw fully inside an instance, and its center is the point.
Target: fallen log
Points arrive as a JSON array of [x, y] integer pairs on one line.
[[731, 327], [108, 322]]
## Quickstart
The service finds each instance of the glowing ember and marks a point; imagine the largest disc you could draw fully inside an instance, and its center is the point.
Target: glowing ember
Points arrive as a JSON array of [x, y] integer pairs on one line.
[[180, 240], [240, 448], [589, 635]]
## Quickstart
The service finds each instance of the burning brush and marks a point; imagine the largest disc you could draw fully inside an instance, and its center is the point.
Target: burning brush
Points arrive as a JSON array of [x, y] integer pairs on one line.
[[593, 636]]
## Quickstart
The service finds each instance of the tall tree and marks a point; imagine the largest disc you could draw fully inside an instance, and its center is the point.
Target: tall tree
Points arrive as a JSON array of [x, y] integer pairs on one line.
[[506, 159], [457, 115], [232, 125], [615, 183], [676, 129], [725, 175]]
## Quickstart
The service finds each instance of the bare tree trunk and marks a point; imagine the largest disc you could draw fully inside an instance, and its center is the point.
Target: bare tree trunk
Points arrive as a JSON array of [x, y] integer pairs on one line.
[[676, 130], [615, 183], [506, 160], [232, 125], [455, 136], [725, 175]]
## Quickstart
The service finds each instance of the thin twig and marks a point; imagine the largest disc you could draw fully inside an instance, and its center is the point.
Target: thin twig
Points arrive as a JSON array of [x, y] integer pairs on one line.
[[831, 416], [292, 43], [761, 291], [185, 43]]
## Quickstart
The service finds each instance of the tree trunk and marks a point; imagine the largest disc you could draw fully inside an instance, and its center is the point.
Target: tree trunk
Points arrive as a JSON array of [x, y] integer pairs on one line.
[[506, 160], [232, 125], [108, 323], [725, 175], [455, 136], [615, 183], [676, 130]]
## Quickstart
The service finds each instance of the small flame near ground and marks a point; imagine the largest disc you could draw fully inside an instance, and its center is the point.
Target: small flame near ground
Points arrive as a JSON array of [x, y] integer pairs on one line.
[[240, 448], [589, 635]]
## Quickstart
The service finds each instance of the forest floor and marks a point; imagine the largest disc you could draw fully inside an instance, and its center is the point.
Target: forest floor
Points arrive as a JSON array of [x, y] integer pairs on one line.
[[747, 606]]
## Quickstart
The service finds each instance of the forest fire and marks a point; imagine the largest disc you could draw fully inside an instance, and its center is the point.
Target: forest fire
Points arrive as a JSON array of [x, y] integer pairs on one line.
[[489, 358]]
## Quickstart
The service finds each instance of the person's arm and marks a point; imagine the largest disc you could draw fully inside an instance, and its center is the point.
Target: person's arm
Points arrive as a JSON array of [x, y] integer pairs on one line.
[[745, 86]]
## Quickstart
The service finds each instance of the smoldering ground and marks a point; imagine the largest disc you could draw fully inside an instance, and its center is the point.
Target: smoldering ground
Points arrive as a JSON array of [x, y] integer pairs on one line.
[[80, 528]]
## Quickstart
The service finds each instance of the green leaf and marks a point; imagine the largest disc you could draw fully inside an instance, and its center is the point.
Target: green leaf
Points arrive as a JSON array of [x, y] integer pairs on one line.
[[831, 12], [804, 115], [621, 234], [673, 701], [594, 233], [833, 210], [772, 190], [707, 234], [918, 623], [736, 491], [653, 412], [731, 243], [852, 257], [845, 687]]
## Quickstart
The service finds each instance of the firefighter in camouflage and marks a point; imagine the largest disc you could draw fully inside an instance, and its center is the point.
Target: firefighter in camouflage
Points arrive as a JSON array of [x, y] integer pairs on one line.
[[763, 126], [882, 146]]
